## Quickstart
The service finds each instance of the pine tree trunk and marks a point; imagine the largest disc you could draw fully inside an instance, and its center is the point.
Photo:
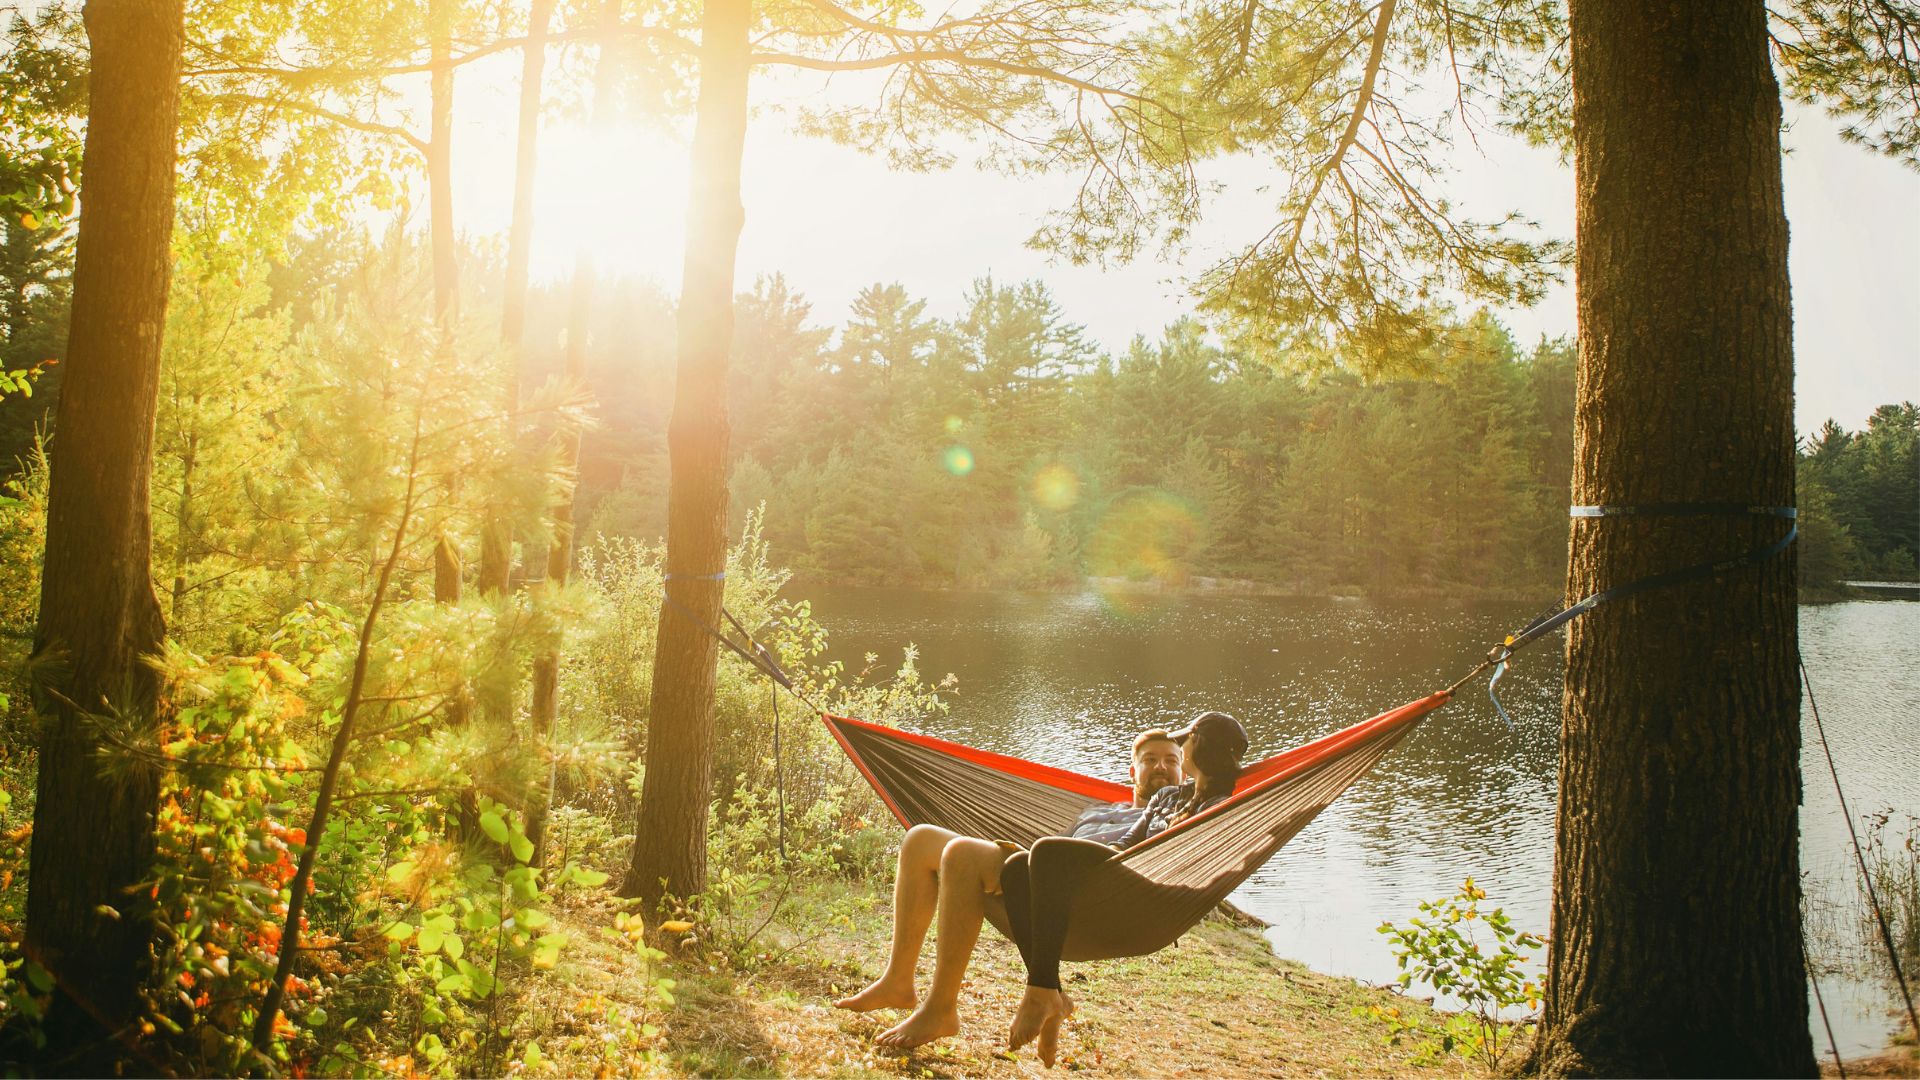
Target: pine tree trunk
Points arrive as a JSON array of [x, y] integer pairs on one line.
[[670, 849], [496, 533], [1676, 922], [546, 669], [93, 831], [446, 263], [513, 306]]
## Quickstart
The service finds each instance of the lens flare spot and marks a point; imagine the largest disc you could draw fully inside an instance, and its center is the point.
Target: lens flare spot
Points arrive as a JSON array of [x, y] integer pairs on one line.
[[1146, 540], [959, 460], [1056, 487], [954, 424]]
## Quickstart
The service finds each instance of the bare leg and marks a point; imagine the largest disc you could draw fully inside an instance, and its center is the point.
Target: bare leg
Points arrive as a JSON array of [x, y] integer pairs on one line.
[[916, 886], [969, 870]]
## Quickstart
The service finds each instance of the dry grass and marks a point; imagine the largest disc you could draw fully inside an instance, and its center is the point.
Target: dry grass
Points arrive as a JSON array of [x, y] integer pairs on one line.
[[1217, 1004]]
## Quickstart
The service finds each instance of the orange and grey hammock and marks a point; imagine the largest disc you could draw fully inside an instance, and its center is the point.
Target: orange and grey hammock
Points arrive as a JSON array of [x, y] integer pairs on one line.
[[1145, 897]]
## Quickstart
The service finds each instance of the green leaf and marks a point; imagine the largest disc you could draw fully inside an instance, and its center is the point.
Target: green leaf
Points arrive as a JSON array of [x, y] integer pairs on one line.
[[522, 848], [546, 956], [525, 889], [495, 827], [531, 1058], [399, 931], [316, 1017], [432, 1047], [430, 938], [454, 946], [591, 879], [480, 978], [39, 978]]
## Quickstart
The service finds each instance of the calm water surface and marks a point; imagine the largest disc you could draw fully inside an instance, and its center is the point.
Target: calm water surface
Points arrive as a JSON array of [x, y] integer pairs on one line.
[[1069, 679]]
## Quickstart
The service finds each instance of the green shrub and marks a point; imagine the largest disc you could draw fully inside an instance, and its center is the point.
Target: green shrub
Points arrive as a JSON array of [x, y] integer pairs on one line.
[[1482, 969]]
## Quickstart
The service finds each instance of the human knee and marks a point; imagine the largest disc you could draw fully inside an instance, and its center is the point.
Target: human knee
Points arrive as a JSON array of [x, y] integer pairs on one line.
[[923, 845], [966, 854]]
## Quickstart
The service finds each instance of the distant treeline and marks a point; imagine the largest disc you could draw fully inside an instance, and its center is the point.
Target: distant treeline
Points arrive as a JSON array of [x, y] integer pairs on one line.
[[1860, 500], [1001, 448]]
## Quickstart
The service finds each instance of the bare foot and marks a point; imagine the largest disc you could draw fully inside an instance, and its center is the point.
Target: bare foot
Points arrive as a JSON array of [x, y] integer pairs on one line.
[[1048, 1047], [883, 994], [924, 1026], [1038, 1009]]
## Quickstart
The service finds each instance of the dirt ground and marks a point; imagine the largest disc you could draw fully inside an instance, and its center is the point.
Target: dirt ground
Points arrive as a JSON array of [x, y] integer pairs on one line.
[[1218, 1003]]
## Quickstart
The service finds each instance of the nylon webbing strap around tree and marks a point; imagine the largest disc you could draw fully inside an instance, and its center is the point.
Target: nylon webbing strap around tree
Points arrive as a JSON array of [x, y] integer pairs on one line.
[[752, 652], [762, 660], [1544, 625]]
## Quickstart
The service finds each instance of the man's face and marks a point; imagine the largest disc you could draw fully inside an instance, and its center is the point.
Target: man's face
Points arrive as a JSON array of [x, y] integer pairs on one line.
[[1155, 765]]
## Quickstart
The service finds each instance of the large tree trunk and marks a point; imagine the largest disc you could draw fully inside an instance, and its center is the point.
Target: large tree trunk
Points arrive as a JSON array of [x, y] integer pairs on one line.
[[546, 669], [1676, 922], [87, 921], [670, 850]]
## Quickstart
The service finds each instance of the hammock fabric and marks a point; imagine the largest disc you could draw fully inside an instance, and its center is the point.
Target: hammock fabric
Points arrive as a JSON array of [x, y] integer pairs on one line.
[[1145, 897]]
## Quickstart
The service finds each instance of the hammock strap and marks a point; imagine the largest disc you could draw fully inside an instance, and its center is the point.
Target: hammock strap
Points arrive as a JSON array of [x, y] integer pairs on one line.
[[754, 653], [779, 775], [762, 660], [1502, 653], [1833, 1045]]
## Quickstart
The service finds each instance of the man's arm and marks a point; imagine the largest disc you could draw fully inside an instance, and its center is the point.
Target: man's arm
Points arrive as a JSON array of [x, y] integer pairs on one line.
[[1158, 806]]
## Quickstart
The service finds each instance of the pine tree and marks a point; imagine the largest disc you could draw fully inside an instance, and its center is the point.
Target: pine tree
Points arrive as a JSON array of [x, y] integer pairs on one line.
[[93, 833]]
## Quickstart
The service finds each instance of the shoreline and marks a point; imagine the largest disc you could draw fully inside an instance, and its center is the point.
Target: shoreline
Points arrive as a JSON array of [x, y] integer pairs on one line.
[[1249, 587]]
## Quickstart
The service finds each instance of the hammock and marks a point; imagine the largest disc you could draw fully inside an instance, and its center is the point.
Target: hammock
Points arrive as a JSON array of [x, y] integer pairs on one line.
[[1145, 897]]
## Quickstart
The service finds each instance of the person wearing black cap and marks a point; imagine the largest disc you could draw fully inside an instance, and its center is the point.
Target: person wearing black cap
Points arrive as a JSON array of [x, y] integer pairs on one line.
[[1213, 744], [1039, 884]]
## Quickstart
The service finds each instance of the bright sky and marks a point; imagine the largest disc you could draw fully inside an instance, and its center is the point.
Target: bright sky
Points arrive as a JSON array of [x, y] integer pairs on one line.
[[834, 221]]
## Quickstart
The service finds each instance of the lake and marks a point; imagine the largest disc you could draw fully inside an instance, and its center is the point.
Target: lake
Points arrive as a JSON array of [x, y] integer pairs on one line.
[[1068, 679]]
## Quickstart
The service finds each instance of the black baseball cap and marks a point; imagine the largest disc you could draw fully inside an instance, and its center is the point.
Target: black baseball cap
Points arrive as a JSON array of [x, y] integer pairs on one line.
[[1217, 727]]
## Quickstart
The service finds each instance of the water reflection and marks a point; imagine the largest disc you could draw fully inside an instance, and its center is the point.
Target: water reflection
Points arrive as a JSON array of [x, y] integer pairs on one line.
[[1065, 680]]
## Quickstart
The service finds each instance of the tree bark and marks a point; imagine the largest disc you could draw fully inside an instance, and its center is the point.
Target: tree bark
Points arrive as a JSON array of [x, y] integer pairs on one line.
[[446, 262], [496, 533], [1676, 920], [546, 668], [93, 842], [670, 850], [533, 64]]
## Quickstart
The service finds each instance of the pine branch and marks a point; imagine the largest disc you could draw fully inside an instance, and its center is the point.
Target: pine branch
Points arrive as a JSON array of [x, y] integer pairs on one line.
[[917, 57], [1361, 104], [371, 127], [658, 35]]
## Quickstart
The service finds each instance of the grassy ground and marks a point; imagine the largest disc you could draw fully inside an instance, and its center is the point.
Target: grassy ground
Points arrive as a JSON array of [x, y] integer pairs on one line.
[[1217, 1004]]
